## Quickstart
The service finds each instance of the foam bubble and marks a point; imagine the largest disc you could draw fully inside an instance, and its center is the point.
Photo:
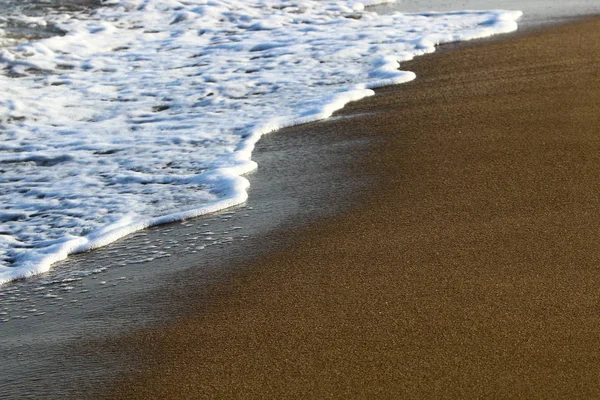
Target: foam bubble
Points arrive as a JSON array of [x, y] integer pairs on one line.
[[147, 112]]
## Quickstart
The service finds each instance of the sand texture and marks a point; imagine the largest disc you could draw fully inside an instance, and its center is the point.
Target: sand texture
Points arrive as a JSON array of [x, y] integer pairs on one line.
[[469, 269]]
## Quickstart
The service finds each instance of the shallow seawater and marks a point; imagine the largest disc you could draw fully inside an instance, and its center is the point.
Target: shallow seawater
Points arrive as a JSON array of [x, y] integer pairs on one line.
[[23, 21], [80, 280], [147, 112]]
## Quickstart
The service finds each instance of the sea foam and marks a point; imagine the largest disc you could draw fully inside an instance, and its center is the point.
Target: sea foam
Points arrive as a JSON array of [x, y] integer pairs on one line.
[[147, 111]]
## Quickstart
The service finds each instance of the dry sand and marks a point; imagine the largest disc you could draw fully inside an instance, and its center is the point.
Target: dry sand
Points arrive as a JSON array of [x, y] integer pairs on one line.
[[471, 269]]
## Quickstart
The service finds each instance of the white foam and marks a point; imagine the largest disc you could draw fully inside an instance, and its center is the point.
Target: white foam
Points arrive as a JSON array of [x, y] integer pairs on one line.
[[148, 111]]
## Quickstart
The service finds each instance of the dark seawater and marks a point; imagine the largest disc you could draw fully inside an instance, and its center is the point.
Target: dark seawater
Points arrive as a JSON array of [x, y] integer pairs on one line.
[[18, 18], [536, 12]]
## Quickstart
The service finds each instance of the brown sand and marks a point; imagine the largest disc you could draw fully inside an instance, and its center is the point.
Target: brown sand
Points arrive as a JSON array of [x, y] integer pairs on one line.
[[472, 270]]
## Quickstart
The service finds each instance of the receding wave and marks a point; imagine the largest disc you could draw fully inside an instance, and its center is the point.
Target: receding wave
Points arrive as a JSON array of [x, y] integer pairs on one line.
[[147, 112]]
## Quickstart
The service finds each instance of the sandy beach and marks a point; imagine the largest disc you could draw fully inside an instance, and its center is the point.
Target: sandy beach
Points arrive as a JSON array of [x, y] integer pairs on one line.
[[438, 240], [468, 268]]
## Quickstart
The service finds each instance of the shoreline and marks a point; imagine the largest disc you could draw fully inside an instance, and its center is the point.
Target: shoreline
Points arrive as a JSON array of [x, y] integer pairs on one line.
[[275, 214], [91, 242], [492, 289]]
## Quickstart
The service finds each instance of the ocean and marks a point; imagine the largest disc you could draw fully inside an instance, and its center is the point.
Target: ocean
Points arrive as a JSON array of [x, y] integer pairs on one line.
[[25, 21]]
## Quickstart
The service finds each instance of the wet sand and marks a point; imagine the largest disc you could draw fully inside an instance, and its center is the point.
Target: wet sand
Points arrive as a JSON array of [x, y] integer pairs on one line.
[[470, 267]]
